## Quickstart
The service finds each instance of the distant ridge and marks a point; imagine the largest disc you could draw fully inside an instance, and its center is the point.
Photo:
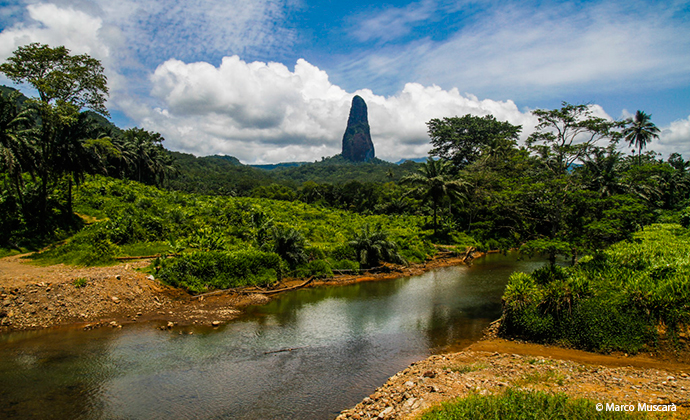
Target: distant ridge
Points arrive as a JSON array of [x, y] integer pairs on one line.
[[272, 166], [415, 160]]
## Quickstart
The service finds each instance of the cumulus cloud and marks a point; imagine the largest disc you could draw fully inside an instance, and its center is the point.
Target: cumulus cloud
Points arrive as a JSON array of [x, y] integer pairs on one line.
[[131, 37], [264, 112], [52, 25], [673, 139]]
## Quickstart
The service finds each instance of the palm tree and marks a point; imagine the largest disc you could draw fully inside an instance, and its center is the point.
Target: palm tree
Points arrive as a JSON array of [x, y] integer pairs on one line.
[[602, 171], [289, 243], [78, 150], [373, 245], [641, 130], [434, 184], [16, 147], [143, 150]]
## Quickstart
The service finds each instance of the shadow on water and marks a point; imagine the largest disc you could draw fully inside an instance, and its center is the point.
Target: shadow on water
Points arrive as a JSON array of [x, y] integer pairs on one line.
[[347, 340]]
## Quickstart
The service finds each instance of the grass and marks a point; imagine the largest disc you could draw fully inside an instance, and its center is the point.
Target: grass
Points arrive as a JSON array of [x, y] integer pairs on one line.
[[524, 405], [469, 368], [8, 252], [547, 377], [80, 282], [143, 249]]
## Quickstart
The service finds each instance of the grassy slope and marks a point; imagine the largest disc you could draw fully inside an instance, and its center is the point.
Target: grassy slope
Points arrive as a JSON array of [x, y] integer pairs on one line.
[[134, 219]]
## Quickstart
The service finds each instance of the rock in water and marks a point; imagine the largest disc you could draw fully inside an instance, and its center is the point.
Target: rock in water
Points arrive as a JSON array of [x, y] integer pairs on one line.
[[357, 144]]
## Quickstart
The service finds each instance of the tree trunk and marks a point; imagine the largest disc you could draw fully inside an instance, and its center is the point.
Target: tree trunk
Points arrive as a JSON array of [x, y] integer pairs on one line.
[[69, 194], [435, 224]]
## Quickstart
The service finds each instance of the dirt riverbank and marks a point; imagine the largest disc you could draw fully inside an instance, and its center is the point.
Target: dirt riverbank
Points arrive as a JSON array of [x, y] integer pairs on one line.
[[33, 297], [493, 365]]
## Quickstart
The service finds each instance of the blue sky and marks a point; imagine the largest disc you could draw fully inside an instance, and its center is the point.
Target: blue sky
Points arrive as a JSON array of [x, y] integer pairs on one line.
[[271, 81]]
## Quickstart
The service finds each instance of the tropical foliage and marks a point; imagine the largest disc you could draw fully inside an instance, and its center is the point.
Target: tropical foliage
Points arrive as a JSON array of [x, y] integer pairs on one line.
[[613, 300]]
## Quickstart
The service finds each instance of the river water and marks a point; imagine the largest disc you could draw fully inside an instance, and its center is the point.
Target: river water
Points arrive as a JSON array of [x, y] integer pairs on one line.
[[345, 341]]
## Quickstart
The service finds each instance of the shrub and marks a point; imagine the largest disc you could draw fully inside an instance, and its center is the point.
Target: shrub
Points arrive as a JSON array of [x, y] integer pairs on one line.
[[372, 245], [202, 271], [343, 264], [685, 218], [317, 268]]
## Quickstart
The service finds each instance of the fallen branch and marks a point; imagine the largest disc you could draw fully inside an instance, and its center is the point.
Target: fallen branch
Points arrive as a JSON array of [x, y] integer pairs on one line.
[[270, 292], [467, 254], [138, 258], [284, 350]]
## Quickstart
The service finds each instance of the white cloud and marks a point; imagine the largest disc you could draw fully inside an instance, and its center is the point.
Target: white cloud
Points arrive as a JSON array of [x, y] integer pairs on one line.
[[551, 50], [673, 139], [263, 112], [392, 22], [130, 37], [52, 25], [204, 99]]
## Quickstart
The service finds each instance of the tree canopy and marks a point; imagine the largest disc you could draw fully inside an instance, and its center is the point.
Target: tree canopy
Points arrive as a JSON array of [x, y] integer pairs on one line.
[[462, 140], [59, 78]]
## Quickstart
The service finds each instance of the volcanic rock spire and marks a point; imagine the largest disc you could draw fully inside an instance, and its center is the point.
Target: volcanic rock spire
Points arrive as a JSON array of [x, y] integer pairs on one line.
[[357, 144]]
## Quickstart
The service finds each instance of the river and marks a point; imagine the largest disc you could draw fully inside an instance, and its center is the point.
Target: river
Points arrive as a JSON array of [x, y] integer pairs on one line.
[[345, 341]]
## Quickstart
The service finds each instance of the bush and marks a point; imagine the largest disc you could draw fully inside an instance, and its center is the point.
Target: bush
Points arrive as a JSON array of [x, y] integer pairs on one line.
[[202, 271], [316, 268], [685, 218], [343, 264]]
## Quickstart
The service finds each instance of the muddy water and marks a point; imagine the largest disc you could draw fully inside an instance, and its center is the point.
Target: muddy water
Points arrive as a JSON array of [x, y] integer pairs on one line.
[[345, 341]]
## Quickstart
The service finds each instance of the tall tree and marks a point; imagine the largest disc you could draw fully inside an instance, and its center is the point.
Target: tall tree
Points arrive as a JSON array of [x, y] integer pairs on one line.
[[564, 136], [434, 184], [143, 155], [462, 140], [59, 77], [65, 84], [640, 131], [601, 171], [16, 155]]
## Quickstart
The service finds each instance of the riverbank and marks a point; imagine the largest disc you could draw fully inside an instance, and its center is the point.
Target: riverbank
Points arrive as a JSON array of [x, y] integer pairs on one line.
[[34, 297], [493, 365]]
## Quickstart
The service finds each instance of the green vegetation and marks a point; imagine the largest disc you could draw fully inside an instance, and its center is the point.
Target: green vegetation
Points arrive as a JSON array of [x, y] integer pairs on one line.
[[613, 300], [207, 270], [469, 368], [94, 193], [372, 245], [131, 219], [523, 405], [80, 282]]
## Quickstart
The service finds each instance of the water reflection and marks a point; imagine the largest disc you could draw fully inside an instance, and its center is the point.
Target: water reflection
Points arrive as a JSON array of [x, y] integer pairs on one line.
[[347, 341]]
